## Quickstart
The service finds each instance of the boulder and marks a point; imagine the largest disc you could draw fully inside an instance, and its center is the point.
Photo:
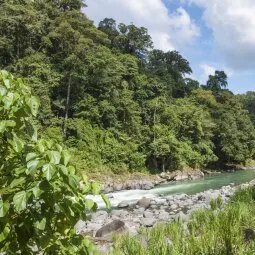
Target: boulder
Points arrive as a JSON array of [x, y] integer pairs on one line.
[[146, 185], [117, 186], [148, 214], [111, 228], [144, 202], [123, 204], [163, 215]]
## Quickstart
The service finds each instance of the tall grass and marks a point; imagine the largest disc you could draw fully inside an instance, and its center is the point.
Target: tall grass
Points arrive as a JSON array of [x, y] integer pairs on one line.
[[209, 232]]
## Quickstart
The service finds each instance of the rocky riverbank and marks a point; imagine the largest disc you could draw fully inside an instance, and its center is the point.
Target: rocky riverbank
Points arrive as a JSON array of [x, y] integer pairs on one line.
[[147, 182], [147, 212]]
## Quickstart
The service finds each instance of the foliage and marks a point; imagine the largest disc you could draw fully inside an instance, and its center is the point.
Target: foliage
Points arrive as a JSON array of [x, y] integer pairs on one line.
[[217, 82], [248, 101], [118, 103], [41, 197]]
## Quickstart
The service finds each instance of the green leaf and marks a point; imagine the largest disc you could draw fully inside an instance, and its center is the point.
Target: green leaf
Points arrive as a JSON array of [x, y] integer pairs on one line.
[[63, 169], [17, 182], [49, 144], [49, 170], [32, 166], [37, 192], [4, 207], [31, 156], [66, 157], [8, 100], [33, 103], [4, 232], [95, 188], [54, 157], [40, 146], [17, 144], [35, 134], [71, 170], [20, 201], [73, 181], [7, 83], [89, 204], [3, 91], [6, 123], [106, 200], [40, 224]]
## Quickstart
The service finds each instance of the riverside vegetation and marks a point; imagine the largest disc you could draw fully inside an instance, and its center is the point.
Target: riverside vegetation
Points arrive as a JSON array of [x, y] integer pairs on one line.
[[119, 106]]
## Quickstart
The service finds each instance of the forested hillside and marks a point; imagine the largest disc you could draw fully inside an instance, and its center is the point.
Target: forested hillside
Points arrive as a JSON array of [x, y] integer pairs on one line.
[[118, 103]]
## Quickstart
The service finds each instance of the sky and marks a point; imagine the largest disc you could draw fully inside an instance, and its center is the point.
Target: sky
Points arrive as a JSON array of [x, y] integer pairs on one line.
[[210, 34]]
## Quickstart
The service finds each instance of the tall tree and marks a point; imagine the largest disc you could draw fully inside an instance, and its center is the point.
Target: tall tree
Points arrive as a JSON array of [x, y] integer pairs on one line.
[[218, 81]]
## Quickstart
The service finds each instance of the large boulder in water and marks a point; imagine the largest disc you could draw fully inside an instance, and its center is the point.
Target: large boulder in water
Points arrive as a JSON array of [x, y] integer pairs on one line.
[[111, 228]]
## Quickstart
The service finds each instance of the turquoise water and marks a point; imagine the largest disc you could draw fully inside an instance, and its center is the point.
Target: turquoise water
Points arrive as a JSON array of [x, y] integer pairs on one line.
[[206, 183], [187, 187]]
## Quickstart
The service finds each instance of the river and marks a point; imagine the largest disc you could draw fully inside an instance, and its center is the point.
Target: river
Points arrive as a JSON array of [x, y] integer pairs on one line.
[[187, 187]]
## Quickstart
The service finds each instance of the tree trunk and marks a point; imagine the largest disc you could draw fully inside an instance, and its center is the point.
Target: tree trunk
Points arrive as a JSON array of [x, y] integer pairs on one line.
[[67, 104], [154, 120], [163, 165]]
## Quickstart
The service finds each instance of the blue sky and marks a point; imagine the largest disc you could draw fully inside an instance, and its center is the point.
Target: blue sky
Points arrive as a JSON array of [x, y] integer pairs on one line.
[[210, 34]]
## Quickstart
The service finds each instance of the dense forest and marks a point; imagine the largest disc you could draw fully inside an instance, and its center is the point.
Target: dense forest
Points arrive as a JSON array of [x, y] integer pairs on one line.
[[116, 102]]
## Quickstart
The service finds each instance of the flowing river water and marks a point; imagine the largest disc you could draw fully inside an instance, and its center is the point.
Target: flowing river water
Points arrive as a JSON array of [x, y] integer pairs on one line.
[[187, 187]]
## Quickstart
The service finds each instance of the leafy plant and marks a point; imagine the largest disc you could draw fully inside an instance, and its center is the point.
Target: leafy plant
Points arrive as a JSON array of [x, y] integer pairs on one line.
[[41, 198]]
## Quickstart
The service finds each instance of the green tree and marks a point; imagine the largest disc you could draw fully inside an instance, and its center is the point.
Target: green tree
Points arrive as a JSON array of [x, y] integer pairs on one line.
[[217, 82]]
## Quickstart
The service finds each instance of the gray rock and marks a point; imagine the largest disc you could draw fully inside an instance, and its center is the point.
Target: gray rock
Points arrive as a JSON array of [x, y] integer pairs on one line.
[[163, 216], [148, 214], [148, 222], [93, 226], [99, 216], [80, 226], [108, 189], [147, 185], [139, 210], [173, 206], [114, 226], [123, 204], [117, 186], [144, 202], [119, 213]]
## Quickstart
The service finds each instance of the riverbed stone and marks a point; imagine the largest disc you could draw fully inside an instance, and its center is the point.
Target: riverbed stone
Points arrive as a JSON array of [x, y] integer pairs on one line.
[[173, 206], [144, 202], [117, 186], [163, 215], [123, 204], [147, 185], [99, 216], [109, 229], [148, 214], [148, 222]]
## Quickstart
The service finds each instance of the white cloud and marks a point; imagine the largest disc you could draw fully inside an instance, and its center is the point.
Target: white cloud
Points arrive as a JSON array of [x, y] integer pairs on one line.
[[209, 69], [206, 71], [168, 30], [233, 24]]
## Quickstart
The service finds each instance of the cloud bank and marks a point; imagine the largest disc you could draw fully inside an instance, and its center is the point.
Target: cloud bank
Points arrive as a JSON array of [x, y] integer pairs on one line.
[[169, 30], [233, 26]]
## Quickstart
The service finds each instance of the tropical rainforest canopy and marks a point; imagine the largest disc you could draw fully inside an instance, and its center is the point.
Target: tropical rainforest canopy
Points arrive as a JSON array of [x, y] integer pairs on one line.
[[116, 102]]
